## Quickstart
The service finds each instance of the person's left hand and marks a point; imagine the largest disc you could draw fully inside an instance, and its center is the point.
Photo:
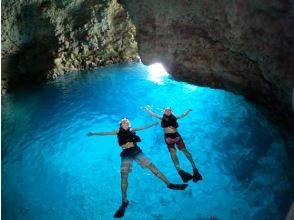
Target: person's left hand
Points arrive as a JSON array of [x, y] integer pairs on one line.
[[90, 134]]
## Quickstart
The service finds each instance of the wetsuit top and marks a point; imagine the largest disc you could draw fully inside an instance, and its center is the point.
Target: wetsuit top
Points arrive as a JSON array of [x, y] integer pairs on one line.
[[125, 136], [168, 121]]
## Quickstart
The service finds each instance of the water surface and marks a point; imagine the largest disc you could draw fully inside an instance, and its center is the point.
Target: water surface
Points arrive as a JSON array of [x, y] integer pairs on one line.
[[52, 170]]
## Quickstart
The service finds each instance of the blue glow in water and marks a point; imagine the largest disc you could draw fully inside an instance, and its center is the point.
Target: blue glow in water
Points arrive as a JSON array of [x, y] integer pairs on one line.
[[52, 170]]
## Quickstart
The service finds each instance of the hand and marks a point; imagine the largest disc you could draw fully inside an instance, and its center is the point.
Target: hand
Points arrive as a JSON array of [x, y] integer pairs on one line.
[[90, 134], [189, 110], [147, 107]]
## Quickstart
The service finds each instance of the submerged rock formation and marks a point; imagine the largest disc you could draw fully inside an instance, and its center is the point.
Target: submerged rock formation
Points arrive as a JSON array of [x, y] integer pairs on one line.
[[241, 46], [43, 39]]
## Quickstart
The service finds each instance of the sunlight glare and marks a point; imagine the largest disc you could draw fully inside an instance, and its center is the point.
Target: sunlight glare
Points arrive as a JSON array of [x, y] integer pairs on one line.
[[156, 73]]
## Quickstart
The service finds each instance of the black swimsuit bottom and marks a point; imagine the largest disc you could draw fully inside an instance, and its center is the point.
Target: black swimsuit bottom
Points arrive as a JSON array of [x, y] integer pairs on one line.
[[171, 135], [131, 152]]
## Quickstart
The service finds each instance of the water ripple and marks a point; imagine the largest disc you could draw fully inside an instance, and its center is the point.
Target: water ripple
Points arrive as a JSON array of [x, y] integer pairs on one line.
[[52, 170]]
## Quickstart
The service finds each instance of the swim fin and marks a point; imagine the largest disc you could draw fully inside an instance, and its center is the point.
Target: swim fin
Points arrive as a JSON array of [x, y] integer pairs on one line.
[[121, 211], [185, 176], [177, 186], [196, 175]]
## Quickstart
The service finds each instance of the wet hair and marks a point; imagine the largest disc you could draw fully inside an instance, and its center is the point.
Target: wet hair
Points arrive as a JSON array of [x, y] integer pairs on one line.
[[124, 119]]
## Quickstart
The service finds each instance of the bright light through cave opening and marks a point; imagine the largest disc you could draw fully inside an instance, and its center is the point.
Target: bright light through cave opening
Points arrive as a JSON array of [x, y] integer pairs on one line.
[[157, 73]]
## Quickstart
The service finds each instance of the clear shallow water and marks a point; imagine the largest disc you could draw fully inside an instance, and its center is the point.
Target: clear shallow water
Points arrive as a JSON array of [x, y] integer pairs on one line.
[[52, 170]]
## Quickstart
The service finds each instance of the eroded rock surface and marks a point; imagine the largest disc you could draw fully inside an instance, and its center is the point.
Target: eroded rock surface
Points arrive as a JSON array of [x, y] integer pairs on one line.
[[43, 39], [241, 46]]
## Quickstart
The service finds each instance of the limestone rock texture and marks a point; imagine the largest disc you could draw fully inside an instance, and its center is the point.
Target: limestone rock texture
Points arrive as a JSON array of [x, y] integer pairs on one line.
[[245, 47], [43, 39]]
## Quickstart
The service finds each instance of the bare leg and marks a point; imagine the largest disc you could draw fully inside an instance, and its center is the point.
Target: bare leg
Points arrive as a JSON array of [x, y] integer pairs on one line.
[[125, 169], [175, 158], [165, 180], [157, 173], [124, 185], [189, 157], [196, 175]]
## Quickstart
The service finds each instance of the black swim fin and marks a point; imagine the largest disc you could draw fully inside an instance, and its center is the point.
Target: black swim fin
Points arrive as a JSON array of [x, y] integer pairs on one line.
[[177, 186], [185, 176], [196, 175], [121, 211]]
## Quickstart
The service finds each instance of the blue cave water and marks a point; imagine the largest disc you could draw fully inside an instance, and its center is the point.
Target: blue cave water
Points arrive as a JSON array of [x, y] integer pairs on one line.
[[52, 170]]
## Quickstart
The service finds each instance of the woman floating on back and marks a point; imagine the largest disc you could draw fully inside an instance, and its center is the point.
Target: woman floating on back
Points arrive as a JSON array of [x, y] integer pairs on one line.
[[172, 137], [128, 140]]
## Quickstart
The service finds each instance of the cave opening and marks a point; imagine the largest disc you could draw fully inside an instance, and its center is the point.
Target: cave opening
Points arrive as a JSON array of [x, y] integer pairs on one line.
[[246, 160]]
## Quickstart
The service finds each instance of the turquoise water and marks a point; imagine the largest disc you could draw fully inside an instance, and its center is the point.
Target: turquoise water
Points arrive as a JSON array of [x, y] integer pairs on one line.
[[52, 170]]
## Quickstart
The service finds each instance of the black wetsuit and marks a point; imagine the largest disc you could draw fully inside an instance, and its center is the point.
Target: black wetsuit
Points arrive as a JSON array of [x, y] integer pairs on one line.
[[125, 136], [168, 121]]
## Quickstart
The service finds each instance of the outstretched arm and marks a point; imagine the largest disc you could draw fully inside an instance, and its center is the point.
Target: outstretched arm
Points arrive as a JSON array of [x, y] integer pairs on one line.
[[152, 113], [184, 114], [103, 133], [145, 127]]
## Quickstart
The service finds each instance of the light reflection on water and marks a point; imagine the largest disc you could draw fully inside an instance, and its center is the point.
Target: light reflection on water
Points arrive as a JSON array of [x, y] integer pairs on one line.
[[52, 170]]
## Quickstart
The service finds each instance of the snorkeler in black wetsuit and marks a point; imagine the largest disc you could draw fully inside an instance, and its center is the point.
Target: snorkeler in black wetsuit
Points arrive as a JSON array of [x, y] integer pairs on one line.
[[128, 139], [172, 137]]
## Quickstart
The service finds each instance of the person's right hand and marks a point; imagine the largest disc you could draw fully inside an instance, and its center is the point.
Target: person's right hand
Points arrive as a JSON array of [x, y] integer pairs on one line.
[[90, 134], [145, 108]]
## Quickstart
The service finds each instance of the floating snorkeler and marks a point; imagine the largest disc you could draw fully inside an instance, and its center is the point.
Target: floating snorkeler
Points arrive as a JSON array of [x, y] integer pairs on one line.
[[172, 137], [128, 139]]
